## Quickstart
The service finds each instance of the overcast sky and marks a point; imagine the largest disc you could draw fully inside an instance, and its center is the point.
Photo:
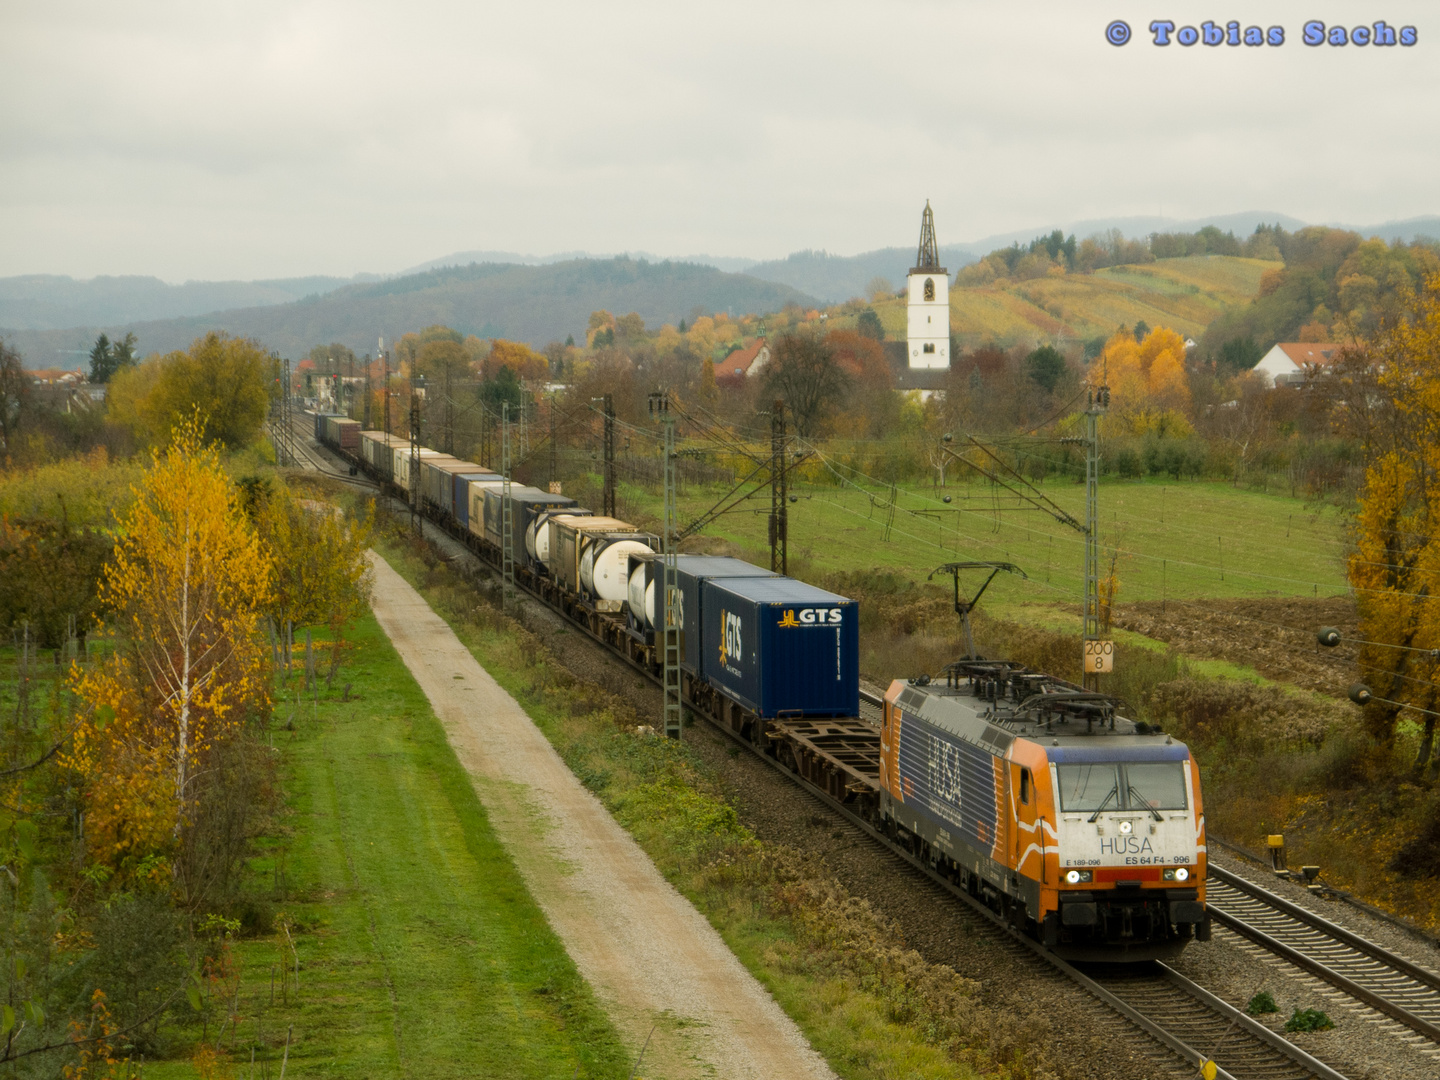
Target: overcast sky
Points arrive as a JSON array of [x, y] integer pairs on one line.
[[266, 138]]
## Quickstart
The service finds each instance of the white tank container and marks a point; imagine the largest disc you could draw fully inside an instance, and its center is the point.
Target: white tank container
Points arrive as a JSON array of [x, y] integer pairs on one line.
[[604, 567], [642, 597]]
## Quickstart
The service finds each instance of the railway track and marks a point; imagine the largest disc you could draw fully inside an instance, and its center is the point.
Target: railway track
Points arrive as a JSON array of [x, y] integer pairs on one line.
[[300, 442], [1400, 989], [1193, 1025], [1239, 1045]]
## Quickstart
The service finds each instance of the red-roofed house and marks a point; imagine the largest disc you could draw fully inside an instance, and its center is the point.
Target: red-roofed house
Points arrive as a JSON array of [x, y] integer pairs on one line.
[[1292, 361], [744, 363]]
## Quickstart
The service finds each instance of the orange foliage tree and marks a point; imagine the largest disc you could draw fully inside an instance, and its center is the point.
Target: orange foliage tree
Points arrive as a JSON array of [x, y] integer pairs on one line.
[[871, 407], [1395, 565], [524, 361], [1149, 391], [184, 587]]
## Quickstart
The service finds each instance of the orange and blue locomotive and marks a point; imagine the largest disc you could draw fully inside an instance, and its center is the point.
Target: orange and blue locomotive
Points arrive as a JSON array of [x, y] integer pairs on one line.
[[1077, 825]]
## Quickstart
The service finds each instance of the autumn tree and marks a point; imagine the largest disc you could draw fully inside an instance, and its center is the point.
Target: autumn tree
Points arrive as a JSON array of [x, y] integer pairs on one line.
[[630, 328], [523, 361], [49, 566], [803, 373], [1149, 390], [226, 379], [1395, 565], [318, 556], [185, 588], [870, 407]]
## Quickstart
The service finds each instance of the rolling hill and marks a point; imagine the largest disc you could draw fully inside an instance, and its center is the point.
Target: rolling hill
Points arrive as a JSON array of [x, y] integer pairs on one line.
[[836, 278], [53, 302], [1184, 294], [534, 304]]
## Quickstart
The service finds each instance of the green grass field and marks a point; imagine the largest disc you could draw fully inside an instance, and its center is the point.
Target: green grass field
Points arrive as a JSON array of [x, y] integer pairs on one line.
[[421, 952], [1171, 540], [1184, 294]]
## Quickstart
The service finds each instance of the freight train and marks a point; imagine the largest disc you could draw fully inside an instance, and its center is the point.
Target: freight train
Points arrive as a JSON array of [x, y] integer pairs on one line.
[[1070, 822]]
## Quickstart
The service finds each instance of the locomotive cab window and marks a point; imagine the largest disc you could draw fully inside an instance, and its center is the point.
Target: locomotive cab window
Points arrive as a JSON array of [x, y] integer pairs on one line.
[[1155, 785], [1136, 785], [1088, 787]]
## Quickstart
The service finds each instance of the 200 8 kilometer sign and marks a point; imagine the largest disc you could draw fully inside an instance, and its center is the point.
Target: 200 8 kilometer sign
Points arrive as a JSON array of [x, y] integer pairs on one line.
[[1099, 657]]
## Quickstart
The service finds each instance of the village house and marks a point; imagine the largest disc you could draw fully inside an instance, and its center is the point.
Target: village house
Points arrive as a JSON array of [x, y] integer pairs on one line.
[[746, 362], [1292, 361]]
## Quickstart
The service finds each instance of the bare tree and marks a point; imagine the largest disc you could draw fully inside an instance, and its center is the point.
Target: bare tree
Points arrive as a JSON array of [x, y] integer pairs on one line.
[[803, 373]]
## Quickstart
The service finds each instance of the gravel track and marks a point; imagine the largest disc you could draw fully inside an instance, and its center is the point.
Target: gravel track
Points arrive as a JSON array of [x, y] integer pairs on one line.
[[660, 969]]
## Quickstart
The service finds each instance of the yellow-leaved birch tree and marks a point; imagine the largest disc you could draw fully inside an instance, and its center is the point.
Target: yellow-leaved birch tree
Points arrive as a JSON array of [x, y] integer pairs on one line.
[[184, 590], [1391, 389]]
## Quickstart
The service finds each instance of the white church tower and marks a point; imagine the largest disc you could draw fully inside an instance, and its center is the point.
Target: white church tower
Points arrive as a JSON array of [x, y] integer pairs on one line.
[[928, 334]]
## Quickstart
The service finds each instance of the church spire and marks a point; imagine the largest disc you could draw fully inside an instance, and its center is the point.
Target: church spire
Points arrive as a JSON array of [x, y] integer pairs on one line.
[[928, 257]]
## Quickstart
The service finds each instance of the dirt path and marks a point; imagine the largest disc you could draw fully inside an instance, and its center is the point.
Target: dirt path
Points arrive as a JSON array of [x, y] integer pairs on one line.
[[650, 956]]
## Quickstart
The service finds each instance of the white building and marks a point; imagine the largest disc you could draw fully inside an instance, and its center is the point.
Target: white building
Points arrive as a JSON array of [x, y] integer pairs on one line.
[[928, 286], [1292, 361]]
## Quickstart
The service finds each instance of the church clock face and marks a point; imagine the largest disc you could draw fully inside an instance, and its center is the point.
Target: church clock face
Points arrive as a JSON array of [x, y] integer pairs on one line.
[[929, 288]]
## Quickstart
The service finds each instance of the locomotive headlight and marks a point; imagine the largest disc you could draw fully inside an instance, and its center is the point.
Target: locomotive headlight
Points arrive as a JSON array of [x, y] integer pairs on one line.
[[1126, 826], [1075, 877], [1179, 873]]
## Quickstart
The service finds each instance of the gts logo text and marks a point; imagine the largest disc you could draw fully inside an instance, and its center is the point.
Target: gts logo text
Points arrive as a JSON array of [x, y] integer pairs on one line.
[[812, 617], [730, 630]]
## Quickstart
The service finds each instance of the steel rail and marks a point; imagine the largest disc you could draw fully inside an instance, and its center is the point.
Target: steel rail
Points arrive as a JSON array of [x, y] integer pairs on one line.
[[1329, 972], [1242, 1020], [1334, 930], [1188, 1055]]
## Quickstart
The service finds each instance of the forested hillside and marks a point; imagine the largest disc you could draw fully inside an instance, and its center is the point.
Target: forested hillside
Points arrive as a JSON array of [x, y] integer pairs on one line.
[[1333, 286], [52, 302], [535, 304]]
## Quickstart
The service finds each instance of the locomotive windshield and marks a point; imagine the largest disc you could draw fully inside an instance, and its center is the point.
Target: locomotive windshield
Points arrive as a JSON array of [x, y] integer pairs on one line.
[[1088, 787], [1156, 785], [1135, 785]]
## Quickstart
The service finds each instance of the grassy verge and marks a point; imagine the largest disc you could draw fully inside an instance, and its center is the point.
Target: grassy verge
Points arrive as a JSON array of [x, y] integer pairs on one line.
[[873, 1008], [420, 951]]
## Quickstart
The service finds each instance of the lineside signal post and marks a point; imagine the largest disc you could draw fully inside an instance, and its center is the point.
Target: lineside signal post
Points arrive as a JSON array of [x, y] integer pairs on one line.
[[1099, 657], [1099, 402]]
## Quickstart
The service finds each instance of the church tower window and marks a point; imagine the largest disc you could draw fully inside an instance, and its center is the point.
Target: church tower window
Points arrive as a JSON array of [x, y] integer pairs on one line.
[[930, 289]]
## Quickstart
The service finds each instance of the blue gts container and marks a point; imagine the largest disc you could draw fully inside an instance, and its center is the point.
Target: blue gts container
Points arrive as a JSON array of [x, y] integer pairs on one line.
[[692, 571], [781, 647]]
